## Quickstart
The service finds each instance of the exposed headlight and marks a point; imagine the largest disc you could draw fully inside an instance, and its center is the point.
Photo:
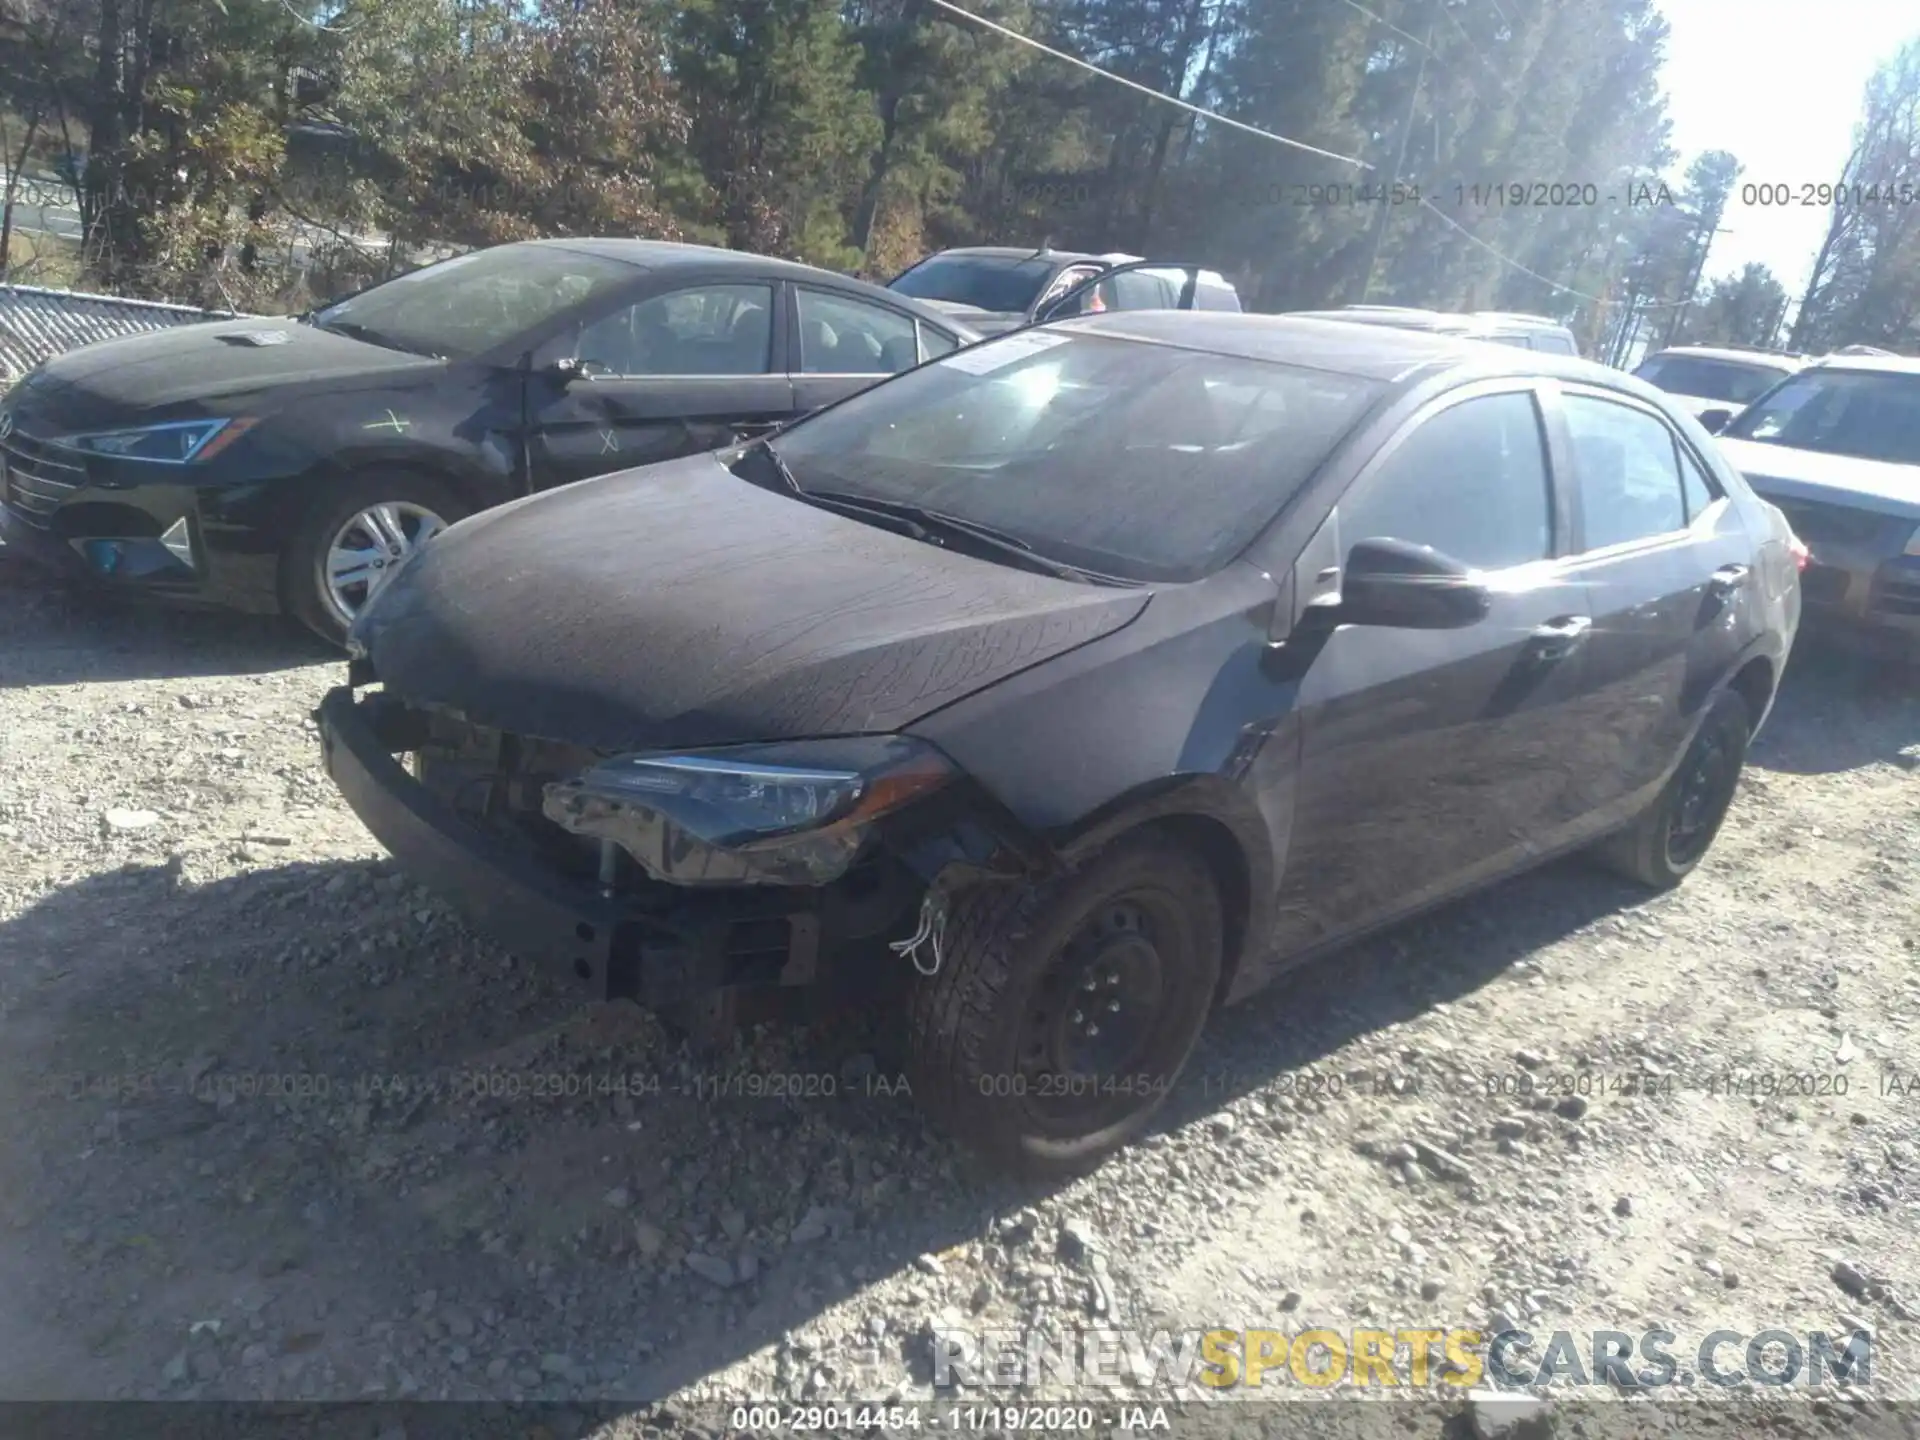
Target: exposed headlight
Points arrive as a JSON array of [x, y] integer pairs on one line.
[[784, 814], [177, 442]]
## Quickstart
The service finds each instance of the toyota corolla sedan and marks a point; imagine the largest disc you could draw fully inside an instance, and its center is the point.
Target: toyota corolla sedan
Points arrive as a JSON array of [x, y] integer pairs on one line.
[[1071, 685]]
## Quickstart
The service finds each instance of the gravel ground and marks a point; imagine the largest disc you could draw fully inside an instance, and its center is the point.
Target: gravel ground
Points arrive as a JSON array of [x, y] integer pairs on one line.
[[276, 1126]]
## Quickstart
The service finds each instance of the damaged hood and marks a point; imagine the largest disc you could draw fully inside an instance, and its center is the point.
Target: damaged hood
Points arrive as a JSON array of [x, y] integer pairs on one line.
[[678, 605], [123, 381]]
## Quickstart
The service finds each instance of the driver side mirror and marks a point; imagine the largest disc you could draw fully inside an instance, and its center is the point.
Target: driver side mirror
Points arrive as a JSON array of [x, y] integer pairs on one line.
[[567, 369], [1393, 584], [1715, 420]]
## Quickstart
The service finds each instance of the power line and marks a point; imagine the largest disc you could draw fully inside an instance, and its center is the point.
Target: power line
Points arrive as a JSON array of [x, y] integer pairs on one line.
[[1535, 274], [1206, 114], [287, 5], [1149, 91], [1479, 54], [1425, 45], [1382, 20]]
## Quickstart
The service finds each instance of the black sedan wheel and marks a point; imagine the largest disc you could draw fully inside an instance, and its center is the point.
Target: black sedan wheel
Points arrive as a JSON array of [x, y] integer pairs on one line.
[[1061, 1015], [1664, 845], [355, 540]]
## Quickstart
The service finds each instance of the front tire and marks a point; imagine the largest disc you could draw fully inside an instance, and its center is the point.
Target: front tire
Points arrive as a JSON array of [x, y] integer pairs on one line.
[[353, 538], [1673, 835], [1005, 1041]]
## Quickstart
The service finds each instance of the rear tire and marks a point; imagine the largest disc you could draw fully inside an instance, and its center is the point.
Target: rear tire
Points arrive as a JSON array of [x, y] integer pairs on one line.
[[409, 498], [1004, 1041], [1672, 836]]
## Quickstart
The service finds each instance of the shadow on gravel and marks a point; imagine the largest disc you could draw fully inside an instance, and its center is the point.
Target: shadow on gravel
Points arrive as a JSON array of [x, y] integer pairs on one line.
[[308, 1088], [1310, 1013], [381, 1152], [52, 634], [1837, 710]]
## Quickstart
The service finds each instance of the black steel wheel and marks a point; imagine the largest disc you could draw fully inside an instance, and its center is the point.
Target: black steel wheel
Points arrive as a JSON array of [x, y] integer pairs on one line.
[[1062, 1014], [1671, 837]]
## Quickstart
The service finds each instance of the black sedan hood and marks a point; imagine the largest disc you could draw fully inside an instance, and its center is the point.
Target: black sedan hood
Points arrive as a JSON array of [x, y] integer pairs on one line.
[[678, 605], [115, 382]]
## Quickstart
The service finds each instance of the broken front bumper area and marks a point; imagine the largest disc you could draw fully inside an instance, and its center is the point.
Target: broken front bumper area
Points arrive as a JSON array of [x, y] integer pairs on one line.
[[628, 937], [658, 949]]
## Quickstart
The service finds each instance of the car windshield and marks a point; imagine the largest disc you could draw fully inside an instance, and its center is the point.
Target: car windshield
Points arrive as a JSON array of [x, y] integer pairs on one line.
[[1873, 415], [1707, 378], [1136, 460], [473, 303], [986, 282]]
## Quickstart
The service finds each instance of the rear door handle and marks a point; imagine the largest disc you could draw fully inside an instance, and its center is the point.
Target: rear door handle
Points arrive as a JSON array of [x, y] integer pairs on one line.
[[1558, 639], [1728, 578]]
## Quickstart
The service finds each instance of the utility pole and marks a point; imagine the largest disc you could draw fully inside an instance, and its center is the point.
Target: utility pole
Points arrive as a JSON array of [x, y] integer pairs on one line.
[[1685, 304], [1383, 205]]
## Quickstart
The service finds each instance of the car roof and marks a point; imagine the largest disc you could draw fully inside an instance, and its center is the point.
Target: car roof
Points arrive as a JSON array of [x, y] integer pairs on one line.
[[1880, 364], [1372, 352], [1723, 352], [1475, 326], [1521, 317], [660, 255], [1407, 317], [1017, 252]]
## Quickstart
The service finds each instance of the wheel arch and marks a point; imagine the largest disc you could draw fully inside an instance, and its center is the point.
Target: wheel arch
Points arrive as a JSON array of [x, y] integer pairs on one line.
[[1756, 682], [298, 526], [479, 489], [1221, 824]]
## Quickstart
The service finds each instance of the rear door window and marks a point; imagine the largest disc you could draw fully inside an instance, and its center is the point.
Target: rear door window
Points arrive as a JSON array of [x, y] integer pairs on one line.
[[1628, 472], [843, 336], [1699, 488], [702, 330]]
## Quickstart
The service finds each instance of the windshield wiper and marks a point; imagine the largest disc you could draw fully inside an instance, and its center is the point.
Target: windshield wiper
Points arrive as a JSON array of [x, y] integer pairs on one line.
[[938, 527], [917, 522]]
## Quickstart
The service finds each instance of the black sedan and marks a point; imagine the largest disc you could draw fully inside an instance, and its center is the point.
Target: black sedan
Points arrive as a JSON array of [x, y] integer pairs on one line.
[[1075, 683], [282, 465]]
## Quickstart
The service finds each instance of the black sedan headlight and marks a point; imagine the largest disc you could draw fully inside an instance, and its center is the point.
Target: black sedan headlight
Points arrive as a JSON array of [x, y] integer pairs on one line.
[[795, 813], [176, 442]]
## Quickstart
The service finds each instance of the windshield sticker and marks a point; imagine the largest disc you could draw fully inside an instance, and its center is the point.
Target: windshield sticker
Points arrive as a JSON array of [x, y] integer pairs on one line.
[[998, 354]]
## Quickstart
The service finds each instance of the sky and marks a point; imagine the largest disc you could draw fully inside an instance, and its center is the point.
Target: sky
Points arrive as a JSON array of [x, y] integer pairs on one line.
[[1779, 83]]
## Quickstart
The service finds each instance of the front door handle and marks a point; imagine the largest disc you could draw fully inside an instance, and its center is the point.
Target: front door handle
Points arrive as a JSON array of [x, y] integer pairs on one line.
[[1728, 578], [1558, 639]]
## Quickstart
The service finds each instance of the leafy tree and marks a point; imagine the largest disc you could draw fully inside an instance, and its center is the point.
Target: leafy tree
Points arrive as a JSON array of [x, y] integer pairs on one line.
[[781, 129], [237, 146], [1743, 309], [936, 83], [1865, 285]]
